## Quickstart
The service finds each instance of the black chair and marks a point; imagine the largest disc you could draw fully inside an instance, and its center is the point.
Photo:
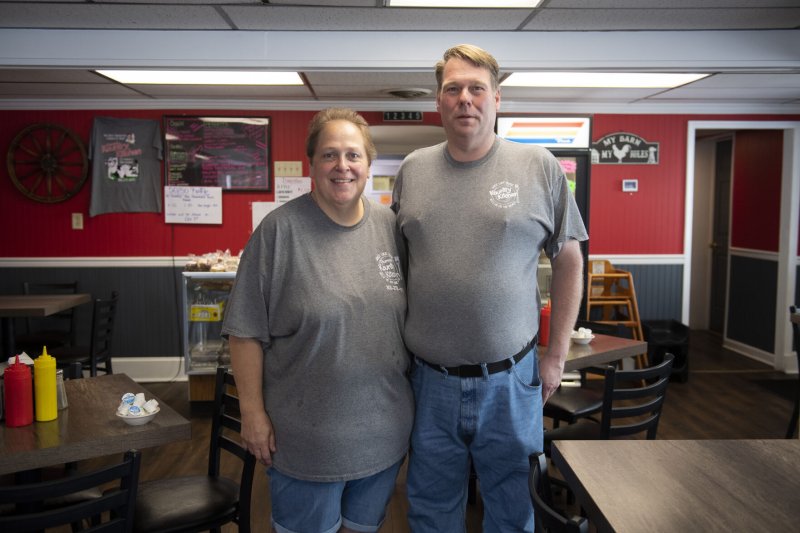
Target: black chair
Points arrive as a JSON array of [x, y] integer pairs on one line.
[[51, 331], [97, 355], [204, 502], [792, 429], [546, 518], [30, 506], [570, 404], [632, 402]]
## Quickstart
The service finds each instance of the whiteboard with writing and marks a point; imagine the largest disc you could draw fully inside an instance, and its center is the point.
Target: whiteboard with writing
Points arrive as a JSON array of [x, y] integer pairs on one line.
[[193, 205]]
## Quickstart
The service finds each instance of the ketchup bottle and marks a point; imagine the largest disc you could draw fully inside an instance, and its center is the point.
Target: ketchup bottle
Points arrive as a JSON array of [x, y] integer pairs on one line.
[[544, 324], [18, 394]]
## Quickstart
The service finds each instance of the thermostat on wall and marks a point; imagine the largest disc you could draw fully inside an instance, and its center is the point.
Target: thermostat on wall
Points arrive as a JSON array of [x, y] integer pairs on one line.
[[630, 185]]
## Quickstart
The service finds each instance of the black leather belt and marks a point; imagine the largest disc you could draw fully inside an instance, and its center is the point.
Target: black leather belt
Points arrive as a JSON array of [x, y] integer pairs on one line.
[[476, 371]]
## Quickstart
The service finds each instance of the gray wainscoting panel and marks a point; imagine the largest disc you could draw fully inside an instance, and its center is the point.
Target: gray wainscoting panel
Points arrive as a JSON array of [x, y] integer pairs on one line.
[[659, 290], [148, 317], [751, 302]]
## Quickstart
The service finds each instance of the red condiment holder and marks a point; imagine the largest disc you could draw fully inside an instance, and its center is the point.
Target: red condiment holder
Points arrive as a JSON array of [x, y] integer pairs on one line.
[[18, 394], [544, 324]]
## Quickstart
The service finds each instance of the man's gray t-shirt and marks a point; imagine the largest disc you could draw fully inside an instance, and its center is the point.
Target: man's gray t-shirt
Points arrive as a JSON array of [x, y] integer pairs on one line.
[[327, 303], [474, 232]]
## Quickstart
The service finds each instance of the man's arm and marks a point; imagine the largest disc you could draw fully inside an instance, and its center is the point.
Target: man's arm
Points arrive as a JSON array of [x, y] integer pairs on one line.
[[247, 360], [566, 289]]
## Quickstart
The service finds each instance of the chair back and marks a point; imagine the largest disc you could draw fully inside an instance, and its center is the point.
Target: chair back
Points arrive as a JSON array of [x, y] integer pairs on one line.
[[56, 329], [227, 416], [33, 514], [632, 399], [546, 518], [103, 319]]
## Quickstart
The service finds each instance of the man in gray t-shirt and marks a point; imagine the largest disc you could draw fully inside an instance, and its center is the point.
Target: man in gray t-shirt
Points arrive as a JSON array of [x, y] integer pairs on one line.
[[475, 213]]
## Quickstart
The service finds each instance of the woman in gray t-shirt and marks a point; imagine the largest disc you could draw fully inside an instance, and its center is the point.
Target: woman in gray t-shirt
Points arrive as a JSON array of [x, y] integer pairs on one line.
[[315, 321]]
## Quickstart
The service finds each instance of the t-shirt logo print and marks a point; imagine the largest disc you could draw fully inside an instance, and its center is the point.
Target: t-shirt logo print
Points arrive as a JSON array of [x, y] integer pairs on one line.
[[504, 194], [389, 269]]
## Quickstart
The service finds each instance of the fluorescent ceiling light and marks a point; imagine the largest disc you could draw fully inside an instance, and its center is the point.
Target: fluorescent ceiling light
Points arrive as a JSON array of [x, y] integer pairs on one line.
[[465, 3], [629, 80], [202, 77]]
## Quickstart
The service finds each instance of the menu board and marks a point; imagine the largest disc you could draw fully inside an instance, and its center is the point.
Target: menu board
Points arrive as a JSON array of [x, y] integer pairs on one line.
[[227, 152]]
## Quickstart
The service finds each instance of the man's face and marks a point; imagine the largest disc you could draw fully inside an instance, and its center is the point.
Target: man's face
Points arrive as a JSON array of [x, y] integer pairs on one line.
[[467, 102]]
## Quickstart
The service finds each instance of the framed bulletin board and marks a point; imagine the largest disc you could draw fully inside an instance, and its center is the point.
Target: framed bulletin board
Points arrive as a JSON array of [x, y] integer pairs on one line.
[[228, 152]]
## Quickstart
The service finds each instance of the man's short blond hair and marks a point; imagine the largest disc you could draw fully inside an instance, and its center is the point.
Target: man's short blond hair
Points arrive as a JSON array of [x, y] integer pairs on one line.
[[473, 54]]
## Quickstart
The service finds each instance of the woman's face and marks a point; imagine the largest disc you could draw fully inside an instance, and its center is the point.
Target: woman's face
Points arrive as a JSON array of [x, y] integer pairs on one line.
[[340, 166]]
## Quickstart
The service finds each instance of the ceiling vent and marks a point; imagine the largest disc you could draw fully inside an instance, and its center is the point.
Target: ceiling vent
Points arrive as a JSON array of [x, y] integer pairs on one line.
[[408, 93]]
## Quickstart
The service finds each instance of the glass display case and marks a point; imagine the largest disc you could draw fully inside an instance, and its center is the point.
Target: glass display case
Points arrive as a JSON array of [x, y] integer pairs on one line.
[[205, 295]]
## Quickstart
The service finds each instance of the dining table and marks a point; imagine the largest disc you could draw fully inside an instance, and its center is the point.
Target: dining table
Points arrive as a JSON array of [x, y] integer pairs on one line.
[[33, 306], [603, 349], [628, 486], [88, 427]]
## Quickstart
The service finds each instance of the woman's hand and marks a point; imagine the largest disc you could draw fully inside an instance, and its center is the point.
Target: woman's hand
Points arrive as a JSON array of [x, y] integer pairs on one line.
[[258, 436]]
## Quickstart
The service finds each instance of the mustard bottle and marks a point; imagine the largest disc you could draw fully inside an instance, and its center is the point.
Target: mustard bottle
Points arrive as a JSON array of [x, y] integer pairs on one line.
[[44, 387]]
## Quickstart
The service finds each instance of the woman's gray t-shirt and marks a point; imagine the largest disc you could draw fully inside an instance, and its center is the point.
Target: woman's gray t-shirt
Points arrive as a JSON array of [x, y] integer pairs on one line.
[[328, 303]]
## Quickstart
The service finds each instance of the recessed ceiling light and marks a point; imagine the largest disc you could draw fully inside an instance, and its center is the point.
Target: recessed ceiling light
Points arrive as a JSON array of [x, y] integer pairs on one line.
[[630, 80], [202, 77], [529, 4]]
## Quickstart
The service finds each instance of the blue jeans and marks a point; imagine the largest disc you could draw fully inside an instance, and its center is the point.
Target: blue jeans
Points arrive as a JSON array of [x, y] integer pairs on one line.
[[323, 507], [497, 421]]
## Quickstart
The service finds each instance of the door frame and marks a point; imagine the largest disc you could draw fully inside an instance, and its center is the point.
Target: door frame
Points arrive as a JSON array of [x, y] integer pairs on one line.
[[782, 358]]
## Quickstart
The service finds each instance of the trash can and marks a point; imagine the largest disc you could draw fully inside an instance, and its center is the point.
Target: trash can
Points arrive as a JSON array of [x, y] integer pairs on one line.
[[668, 336]]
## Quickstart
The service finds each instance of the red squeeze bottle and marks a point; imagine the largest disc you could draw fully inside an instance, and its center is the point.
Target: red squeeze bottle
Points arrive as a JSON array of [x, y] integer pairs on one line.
[[544, 324], [18, 394]]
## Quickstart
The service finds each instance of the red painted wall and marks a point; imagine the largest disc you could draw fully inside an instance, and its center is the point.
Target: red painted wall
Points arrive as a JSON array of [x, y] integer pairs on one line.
[[33, 229], [651, 221], [757, 164], [647, 222]]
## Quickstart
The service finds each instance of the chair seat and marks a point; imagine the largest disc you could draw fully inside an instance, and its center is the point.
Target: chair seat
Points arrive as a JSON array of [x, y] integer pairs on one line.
[[180, 504], [71, 353], [32, 343], [571, 403]]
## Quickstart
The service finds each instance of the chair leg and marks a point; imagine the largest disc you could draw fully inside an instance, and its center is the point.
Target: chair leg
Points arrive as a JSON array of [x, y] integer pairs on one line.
[[790, 431]]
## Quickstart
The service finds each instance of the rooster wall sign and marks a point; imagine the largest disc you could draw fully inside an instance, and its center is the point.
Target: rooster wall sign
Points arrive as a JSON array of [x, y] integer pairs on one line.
[[623, 148]]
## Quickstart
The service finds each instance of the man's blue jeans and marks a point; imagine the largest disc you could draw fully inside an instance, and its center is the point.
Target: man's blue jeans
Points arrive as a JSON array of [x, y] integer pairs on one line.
[[495, 419]]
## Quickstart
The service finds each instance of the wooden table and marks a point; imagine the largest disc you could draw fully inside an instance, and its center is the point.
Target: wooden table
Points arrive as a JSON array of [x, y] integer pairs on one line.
[[684, 485], [88, 428], [33, 305], [602, 350]]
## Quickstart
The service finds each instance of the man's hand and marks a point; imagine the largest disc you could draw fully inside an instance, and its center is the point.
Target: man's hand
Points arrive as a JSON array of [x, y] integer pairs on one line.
[[551, 369]]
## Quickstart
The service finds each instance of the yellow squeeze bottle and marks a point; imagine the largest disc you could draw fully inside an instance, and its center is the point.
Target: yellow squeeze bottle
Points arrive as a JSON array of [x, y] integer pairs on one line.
[[44, 387]]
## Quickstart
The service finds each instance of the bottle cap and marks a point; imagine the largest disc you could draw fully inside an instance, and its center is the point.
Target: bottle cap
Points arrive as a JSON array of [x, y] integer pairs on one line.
[[17, 369], [44, 359]]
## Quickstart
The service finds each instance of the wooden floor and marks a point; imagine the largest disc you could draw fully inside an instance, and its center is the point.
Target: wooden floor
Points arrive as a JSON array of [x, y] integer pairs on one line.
[[727, 396]]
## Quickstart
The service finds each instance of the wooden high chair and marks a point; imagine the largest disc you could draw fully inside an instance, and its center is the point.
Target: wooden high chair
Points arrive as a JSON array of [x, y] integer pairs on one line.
[[611, 299]]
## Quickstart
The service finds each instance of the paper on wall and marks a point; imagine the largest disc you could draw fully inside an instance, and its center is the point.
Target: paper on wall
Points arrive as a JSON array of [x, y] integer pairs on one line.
[[285, 189]]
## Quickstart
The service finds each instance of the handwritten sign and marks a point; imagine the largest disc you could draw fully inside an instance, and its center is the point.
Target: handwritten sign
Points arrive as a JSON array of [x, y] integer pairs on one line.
[[193, 205], [288, 188]]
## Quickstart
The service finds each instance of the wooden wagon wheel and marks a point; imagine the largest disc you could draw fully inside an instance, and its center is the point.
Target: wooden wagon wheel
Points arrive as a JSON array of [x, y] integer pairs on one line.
[[47, 163]]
